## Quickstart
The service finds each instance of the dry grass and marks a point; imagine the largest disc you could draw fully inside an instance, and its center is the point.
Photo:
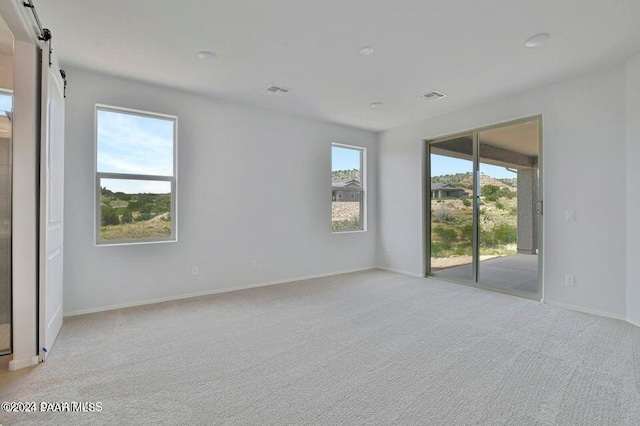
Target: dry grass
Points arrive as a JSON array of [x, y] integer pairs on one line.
[[344, 210], [137, 230]]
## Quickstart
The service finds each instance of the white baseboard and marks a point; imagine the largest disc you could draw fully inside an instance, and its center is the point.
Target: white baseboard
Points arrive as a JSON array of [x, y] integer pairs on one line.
[[634, 322], [209, 292], [587, 310], [400, 271], [17, 364]]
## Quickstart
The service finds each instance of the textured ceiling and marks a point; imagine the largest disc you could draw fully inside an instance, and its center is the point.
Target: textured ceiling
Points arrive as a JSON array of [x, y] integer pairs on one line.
[[473, 50]]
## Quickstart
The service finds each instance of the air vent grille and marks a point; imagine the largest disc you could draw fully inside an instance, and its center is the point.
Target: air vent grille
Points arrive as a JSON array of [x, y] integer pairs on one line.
[[432, 96], [278, 90]]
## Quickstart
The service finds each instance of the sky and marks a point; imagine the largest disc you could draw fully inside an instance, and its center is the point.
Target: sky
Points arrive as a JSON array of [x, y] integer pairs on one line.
[[6, 102], [442, 165], [134, 144], [344, 158]]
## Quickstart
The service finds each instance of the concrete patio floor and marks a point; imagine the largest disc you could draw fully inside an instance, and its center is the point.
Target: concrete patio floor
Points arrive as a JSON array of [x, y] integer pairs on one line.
[[514, 272]]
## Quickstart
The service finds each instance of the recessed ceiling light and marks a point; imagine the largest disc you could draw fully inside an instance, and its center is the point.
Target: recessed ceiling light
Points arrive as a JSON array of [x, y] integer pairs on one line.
[[375, 104], [207, 55], [366, 51], [537, 40]]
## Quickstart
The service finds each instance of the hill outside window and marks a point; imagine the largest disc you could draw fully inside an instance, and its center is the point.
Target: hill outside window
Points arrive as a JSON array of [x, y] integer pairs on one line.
[[135, 176]]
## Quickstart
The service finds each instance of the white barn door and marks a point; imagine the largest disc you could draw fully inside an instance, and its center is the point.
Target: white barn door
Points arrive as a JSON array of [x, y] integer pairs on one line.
[[51, 205]]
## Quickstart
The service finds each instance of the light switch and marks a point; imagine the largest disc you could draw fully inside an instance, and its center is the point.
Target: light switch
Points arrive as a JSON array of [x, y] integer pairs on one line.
[[570, 215]]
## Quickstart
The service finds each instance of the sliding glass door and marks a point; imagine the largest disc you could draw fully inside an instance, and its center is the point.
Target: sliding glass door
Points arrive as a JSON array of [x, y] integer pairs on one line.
[[452, 213], [484, 224]]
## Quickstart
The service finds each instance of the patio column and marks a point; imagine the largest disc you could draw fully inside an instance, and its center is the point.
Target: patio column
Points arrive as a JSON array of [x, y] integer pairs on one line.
[[527, 217]]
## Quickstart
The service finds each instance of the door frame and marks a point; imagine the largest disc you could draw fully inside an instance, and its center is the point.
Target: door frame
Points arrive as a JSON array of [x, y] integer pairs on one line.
[[426, 197]]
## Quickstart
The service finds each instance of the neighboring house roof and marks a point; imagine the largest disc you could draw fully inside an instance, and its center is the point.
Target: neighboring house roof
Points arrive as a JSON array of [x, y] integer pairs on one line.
[[345, 184], [436, 186]]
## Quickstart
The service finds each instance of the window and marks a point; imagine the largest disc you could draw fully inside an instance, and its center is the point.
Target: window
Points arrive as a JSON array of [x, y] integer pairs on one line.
[[135, 176], [348, 175], [6, 102]]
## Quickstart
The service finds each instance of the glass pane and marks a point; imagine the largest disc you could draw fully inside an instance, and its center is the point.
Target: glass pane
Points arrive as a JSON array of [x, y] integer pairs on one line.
[[134, 144], [451, 197], [6, 102], [346, 189], [134, 209], [508, 222]]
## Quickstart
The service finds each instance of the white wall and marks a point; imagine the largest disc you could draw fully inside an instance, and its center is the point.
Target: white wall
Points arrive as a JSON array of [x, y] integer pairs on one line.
[[584, 170], [252, 184], [6, 71], [633, 189], [26, 108]]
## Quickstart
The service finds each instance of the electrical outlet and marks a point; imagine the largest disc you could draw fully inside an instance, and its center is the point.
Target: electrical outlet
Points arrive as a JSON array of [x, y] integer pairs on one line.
[[387, 252], [195, 271], [570, 215], [252, 264], [569, 280]]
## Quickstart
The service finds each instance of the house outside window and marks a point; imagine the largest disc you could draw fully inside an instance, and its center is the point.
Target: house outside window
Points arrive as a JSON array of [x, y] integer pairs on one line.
[[348, 177]]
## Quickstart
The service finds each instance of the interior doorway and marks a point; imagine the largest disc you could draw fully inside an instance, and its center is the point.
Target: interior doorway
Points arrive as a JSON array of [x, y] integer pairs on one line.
[[483, 223]]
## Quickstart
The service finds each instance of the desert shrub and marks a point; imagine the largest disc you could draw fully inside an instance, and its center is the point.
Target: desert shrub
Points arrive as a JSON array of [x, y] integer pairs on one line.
[[447, 235], [442, 214], [499, 205], [466, 233], [127, 217], [346, 225], [144, 216], [505, 234], [487, 238], [507, 193], [439, 249], [513, 211], [108, 216], [463, 250], [490, 192], [466, 202]]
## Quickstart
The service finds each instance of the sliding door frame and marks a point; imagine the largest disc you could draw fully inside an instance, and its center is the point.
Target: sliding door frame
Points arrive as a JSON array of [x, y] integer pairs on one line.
[[474, 134]]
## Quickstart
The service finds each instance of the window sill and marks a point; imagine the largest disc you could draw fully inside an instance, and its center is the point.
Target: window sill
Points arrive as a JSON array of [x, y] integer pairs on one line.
[[135, 243], [349, 232]]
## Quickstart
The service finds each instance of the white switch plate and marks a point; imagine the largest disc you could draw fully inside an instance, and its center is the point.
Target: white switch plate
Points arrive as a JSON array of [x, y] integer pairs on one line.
[[195, 270], [252, 264], [569, 280], [570, 215]]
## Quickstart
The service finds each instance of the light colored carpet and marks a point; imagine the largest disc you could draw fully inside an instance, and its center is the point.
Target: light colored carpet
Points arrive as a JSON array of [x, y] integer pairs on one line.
[[364, 348]]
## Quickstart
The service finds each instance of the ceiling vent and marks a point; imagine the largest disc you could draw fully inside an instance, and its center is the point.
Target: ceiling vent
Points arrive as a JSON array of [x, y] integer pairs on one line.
[[278, 90], [432, 96]]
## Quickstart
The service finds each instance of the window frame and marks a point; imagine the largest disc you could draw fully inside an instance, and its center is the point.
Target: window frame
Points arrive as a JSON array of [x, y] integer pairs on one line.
[[363, 187], [99, 242]]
